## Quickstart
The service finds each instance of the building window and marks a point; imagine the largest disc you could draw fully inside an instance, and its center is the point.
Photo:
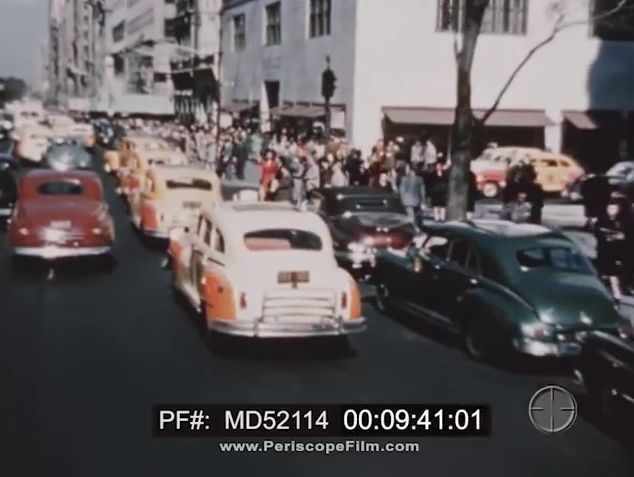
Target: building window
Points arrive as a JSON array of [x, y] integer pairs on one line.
[[118, 32], [504, 17], [616, 26], [319, 20], [274, 24], [239, 32], [170, 28]]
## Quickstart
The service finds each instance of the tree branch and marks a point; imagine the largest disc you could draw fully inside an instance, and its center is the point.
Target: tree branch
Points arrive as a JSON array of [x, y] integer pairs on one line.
[[559, 26]]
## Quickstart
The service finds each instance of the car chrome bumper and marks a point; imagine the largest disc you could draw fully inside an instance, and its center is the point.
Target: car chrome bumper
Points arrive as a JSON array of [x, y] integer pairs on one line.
[[5, 212], [259, 329], [356, 260], [540, 348], [157, 233], [51, 252]]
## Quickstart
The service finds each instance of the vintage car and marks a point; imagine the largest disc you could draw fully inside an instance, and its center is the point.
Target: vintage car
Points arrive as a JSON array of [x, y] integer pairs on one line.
[[66, 155], [32, 141], [144, 156], [172, 196], [60, 214], [8, 187], [501, 286], [620, 179], [129, 146], [108, 134], [264, 270], [362, 220], [605, 370], [554, 171]]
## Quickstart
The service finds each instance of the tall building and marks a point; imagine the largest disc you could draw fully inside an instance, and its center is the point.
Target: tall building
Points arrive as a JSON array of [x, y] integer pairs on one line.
[[396, 72], [194, 65]]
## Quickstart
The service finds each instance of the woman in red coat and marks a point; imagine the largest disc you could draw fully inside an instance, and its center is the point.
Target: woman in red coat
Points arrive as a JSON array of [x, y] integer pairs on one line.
[[268, 171]]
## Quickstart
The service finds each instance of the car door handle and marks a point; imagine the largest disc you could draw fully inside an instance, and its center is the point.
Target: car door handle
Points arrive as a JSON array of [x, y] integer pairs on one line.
[[473, 281]]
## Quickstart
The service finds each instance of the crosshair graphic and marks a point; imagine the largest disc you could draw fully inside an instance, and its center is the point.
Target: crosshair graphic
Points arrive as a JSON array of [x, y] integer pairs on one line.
[[552, 410]]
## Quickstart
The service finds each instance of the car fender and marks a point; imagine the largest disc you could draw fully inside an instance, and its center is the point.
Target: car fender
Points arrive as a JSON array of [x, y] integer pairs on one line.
[[506, 310]]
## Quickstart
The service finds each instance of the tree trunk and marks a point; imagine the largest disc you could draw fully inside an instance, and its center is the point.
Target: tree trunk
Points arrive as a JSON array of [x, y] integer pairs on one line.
[[463, 123]]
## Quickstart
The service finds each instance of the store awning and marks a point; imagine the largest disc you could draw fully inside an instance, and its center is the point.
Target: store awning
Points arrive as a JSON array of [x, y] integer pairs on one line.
[[183, 81], [308, 112], [445, 116], [238, 107], [595, 119], [205, 83]]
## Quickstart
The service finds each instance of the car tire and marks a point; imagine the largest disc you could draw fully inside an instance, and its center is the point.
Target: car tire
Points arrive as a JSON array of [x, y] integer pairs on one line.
[[491, 190], [475, 343], [383, 300]]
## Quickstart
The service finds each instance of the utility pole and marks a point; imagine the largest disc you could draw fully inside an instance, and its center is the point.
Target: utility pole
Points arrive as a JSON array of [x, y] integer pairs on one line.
[[219, 76]]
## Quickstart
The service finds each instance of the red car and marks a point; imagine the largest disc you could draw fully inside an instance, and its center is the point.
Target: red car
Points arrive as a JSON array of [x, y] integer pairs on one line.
[[60, 215]]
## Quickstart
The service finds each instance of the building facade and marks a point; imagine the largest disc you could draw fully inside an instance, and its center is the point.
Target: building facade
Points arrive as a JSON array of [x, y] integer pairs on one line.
[[396, 73]]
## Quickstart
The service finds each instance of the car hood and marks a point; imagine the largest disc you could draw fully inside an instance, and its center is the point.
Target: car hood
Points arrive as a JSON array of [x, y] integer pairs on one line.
[[568, 299]]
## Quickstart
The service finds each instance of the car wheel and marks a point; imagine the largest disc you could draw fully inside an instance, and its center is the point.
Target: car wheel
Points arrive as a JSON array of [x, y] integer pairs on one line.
[[491, 190], [383, 298], [475, 342]]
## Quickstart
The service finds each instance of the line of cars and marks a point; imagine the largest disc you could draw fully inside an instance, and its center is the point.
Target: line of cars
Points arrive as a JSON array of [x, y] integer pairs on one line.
[[56, 210]]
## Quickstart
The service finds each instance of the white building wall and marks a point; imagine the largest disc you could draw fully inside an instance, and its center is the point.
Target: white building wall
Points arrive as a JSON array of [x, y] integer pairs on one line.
[[402, 61], [297, 63]]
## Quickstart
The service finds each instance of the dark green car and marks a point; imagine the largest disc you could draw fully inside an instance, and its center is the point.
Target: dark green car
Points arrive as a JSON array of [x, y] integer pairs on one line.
[[502, 286]]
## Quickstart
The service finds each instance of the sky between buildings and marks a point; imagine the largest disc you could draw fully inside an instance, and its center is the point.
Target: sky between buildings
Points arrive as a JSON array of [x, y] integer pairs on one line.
[[23, 27]]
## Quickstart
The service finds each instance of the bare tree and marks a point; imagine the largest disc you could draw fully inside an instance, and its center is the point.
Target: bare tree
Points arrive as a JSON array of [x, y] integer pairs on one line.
[[465, 122]]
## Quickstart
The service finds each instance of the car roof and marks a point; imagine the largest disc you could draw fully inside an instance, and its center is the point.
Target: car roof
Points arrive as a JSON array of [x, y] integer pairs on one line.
[[49, 174], [240, 217], [354, 191], [169, 171], [491, 234]]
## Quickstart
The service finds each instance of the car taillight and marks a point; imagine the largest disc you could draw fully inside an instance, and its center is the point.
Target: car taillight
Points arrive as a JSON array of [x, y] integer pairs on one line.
[[23, 231], [343, 301], [243, 300]]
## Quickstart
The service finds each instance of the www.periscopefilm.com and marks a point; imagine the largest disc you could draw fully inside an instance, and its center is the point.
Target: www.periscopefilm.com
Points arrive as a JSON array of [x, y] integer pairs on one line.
[[320, 447]]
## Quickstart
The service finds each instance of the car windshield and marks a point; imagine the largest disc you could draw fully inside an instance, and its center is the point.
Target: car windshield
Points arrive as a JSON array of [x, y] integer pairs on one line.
[[565, 259], [188, 183], [621, 169], [61, 188], [282, 239], [368, 204]]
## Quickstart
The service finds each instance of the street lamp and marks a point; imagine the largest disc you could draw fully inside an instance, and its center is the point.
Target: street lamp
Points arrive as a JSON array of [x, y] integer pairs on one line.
[[328, 87]]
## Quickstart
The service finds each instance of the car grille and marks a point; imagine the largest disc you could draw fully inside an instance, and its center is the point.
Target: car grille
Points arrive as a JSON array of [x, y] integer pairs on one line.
[[192, 205], [281, 304]]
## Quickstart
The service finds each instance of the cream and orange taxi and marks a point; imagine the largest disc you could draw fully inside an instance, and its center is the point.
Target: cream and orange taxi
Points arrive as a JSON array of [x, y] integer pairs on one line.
[[146, 153], [264, 270], [172, 196]]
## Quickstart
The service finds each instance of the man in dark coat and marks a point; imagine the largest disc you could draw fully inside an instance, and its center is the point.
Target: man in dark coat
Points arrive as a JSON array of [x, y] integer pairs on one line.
[[595, 192]]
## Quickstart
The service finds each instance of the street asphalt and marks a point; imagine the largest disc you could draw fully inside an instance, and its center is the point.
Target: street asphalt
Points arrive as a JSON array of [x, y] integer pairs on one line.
[[84, 355]]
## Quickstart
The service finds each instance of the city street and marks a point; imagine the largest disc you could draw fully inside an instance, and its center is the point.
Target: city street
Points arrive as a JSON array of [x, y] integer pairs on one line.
[[84, 355]]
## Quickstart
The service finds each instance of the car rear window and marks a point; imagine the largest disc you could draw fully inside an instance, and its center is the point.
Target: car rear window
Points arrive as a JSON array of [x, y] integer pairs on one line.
[[61, 188], [368, 204], [188, 183], [282, 239], [554, 258]]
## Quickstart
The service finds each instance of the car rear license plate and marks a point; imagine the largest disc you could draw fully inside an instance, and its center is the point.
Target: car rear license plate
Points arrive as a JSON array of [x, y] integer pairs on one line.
[[293, 277], [61, 224]]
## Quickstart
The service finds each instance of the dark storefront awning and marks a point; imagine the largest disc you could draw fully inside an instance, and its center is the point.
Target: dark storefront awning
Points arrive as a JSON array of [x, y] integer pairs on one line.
[[306, 111], [183, 81], [238, 107], [526, 118], [595, 119], [205, 82]]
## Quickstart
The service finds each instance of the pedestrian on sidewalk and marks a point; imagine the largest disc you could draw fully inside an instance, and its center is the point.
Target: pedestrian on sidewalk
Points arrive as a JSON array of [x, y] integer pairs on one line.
[[472, 194], [595, 193], [438, 191], [610, 232], [412, 194], [282, 185], [268, 171], [518, 210]]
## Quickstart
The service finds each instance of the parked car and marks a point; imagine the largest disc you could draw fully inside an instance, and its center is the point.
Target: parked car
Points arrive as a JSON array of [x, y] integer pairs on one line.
[[620, 177], [8, 187], [115, 159], [606, 371], [145, 155], [362, 220], [554, 171], [66, 155], [60, 214], [172, 196], [264, 270], [32, 141], [501, 286]]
